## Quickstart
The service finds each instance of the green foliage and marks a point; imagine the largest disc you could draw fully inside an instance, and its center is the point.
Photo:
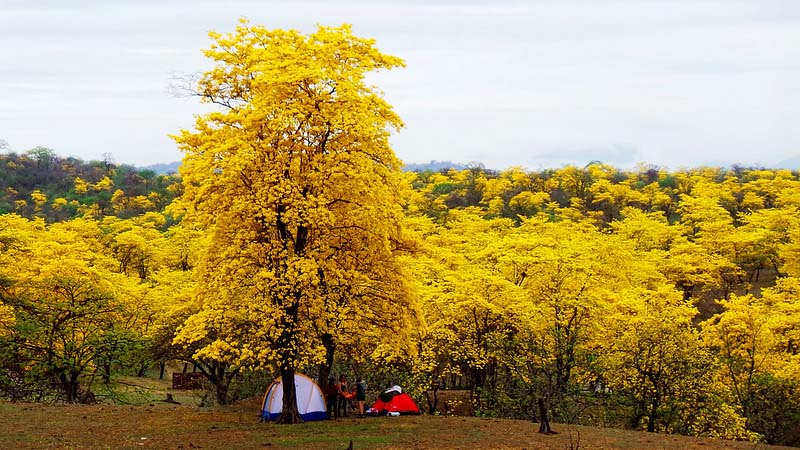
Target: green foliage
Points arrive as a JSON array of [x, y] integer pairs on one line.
[[775, 410], [54, 176]]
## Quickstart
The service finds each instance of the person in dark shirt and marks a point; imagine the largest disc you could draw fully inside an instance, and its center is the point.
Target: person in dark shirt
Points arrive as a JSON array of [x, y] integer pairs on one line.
[[361, 395], [332, 398]]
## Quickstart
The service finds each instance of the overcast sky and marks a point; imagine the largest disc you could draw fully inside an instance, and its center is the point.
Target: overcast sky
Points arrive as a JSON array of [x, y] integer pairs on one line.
[[536, 83]]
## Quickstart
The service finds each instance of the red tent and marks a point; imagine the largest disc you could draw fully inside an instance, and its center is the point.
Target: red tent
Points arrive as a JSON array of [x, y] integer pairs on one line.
[[394, 402]]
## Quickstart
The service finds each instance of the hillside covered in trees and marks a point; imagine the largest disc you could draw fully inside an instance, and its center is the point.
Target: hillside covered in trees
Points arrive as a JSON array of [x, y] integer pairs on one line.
[[649, 299], [42, 184]]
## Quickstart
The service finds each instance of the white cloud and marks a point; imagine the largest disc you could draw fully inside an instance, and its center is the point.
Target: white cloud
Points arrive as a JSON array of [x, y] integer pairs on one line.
[[504, 82], [156, 51]]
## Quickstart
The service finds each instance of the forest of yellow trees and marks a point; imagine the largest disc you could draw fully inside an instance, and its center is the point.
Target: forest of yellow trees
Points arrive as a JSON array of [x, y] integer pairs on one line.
[[652, 299], [291, 241]]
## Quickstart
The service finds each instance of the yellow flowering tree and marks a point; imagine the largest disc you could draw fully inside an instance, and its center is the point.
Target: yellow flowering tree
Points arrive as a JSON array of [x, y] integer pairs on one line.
[[71, 311], [755, 340], [295, 180]]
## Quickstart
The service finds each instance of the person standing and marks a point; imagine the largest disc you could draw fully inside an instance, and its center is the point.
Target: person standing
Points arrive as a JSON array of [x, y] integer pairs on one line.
[[344, 392], [332, 398], [361, 395]]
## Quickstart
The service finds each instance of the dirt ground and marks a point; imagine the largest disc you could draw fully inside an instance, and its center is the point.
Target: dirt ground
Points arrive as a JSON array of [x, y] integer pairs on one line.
[[169, 426]]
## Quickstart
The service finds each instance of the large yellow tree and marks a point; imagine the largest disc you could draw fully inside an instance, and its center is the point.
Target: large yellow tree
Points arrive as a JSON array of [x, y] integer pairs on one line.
[[296, 181]]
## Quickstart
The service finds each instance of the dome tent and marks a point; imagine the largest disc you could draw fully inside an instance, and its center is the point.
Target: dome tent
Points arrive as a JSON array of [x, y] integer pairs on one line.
[[394, 401], [310, 401]]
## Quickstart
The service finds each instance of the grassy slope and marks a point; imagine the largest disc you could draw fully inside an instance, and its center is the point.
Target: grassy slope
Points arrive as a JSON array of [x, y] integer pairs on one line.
[[163, 425], [152, 423]]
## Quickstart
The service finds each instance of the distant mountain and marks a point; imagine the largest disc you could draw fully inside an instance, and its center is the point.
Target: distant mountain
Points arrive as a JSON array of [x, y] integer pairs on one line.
[[791, 163], [436, 166], [163, 169], [433, 166]]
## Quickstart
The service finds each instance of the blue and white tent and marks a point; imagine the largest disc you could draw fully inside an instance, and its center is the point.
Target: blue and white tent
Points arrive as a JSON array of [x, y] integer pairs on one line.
[[310, 401]]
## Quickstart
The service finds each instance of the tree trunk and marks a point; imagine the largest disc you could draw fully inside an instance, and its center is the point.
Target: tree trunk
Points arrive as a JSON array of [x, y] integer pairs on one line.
[[221, 392], [219, 375], [651, 419], [222, 379], [326, 367], [107, 373], [289, 412], [69, 383], [162, 366], [544, 422], [287, 343], [432, 404]]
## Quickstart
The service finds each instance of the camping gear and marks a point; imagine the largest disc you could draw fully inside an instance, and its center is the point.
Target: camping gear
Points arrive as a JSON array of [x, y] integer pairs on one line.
[[393, 402], [310, 401], [387, 395]]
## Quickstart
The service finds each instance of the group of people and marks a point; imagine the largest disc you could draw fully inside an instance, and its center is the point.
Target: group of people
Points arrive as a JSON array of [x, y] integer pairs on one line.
[[339, 395]]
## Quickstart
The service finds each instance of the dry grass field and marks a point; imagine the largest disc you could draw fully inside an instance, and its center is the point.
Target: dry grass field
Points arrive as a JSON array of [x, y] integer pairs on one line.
[[159, 425], [168, 426]]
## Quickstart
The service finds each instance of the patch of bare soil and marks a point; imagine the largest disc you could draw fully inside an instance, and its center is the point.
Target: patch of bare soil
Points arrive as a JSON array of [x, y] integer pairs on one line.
[[169, 426]]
